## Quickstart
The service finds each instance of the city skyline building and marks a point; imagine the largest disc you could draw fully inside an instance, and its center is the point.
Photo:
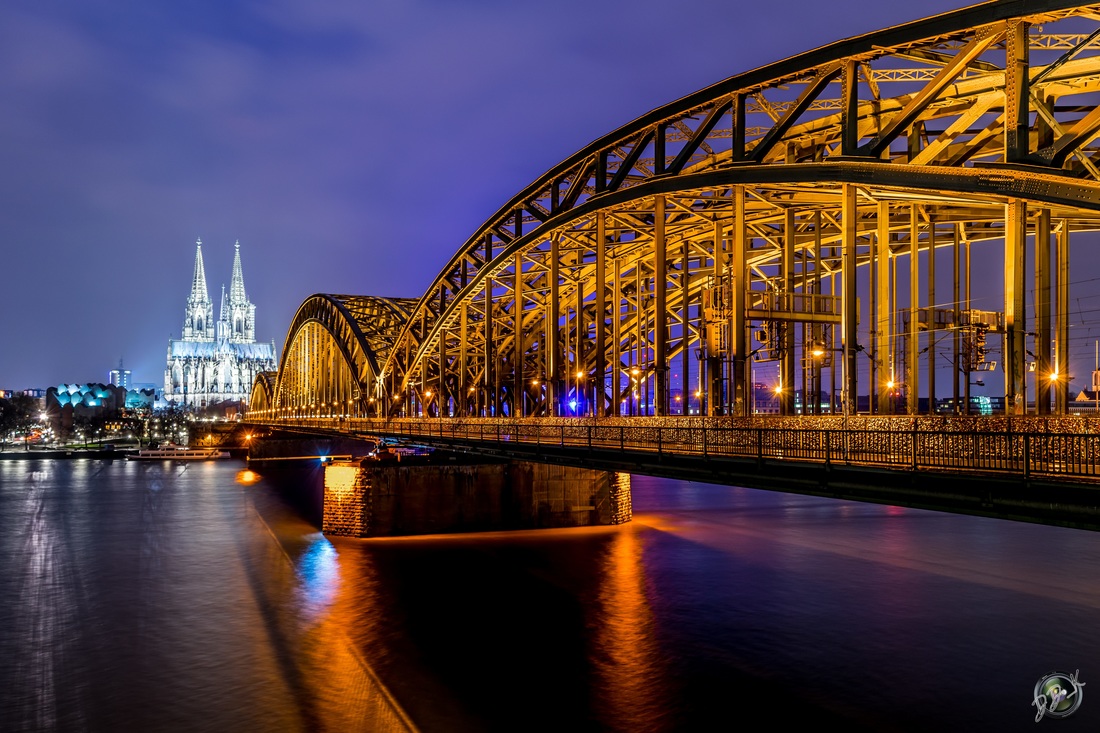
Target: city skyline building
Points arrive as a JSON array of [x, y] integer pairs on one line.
[[119, 377], [216, 361]]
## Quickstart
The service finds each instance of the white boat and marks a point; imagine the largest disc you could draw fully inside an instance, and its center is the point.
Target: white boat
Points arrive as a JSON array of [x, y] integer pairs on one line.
[[176, 453]]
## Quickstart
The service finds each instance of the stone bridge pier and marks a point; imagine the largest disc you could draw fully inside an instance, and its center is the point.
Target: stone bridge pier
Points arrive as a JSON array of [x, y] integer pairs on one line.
[[337, 482], [370, 498]]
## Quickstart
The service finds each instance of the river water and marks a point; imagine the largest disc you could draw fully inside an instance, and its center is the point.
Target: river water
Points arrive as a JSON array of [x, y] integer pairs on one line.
[[171, 597]]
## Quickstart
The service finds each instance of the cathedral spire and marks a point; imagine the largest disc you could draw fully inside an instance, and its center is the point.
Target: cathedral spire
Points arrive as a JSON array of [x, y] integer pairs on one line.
[[223, 318], [198, 322], [236, 285], [199, 293], [216, 361]]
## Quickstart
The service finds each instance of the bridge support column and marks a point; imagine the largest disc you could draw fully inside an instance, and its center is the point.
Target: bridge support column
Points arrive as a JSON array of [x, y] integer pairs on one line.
[[371, 499], [850, 312], [554, 391], [787, 328], [710, 325], [488, 376], [817, 331], [1014, 349], [599, 374], [462, 389], [519, 384], [931, 317], [617, 340], [685, 330], [884, 316], [1045, 376], [660, 307], [739, 388], [1061, 337], [580, 373], [912, 342], [967, 362], [1017, 99]]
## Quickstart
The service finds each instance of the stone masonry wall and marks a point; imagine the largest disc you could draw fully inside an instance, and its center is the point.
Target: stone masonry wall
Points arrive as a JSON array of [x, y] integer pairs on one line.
[[348, 500], [368, 499]]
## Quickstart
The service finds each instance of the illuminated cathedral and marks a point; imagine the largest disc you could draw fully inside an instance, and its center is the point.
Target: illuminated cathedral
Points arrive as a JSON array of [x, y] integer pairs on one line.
[[216, 361]]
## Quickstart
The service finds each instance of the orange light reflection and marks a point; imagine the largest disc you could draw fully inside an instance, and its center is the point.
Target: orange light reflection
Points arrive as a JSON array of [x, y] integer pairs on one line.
[[628, 661]]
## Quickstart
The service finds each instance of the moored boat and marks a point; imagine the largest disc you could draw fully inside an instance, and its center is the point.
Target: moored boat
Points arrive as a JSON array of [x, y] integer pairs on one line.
[[176, 453]]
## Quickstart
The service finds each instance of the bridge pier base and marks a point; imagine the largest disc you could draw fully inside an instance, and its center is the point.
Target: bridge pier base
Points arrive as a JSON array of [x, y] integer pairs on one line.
[[372, 499]]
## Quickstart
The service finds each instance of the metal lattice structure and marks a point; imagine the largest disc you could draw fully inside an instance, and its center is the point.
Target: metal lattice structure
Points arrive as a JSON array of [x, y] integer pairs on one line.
[[262, 397], [332, 356], [762, 218]]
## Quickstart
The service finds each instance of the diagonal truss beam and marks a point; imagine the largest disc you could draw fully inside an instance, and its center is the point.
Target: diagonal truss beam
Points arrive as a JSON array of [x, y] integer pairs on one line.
[[983, 39], [809, 94]]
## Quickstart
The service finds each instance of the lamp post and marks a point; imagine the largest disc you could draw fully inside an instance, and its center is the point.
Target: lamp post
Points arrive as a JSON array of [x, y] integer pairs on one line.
[[580, 393], [537, 399], [634, 373]]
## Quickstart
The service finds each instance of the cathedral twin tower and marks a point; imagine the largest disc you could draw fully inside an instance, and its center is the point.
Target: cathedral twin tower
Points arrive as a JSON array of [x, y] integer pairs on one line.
[[216, 361]]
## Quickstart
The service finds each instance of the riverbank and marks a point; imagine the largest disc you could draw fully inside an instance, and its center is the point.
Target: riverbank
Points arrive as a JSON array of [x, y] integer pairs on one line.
[[63, 453]]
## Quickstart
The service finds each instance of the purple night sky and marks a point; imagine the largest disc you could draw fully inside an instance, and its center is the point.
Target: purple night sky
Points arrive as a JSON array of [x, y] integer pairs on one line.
[[351, 147]]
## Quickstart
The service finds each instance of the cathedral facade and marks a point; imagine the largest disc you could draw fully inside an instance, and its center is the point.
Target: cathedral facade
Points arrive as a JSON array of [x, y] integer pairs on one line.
[[216, 361]]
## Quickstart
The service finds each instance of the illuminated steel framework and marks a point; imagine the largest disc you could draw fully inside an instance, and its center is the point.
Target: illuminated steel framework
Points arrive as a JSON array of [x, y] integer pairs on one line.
[[774, 216], [262, 397], [333, 354]]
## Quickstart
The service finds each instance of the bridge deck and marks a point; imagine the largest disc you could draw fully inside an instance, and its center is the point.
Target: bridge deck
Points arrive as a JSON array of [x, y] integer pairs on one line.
[[1049, 477]]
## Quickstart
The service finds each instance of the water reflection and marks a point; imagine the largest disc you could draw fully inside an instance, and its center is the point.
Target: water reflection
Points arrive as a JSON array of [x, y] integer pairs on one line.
[[154, 597], [626, 656], [319, 576]]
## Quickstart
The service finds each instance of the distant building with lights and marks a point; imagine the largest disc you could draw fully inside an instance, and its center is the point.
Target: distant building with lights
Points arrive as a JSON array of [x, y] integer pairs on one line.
[[66, 403], [119, 377], [1089, 398], [216, 361]]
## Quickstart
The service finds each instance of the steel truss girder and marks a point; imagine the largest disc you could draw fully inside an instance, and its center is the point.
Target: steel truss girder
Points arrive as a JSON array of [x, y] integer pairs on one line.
[[362, 328], [264, 390], [687, 137], [688, 229], [776, 140], [963, 186]]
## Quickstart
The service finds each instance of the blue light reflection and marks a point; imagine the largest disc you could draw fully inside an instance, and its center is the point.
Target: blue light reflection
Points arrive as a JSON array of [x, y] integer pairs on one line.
[[318, 571]]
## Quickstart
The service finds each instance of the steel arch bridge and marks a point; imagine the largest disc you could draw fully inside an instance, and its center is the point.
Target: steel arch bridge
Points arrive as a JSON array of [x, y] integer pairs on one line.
[[333, 354], [786, 214]]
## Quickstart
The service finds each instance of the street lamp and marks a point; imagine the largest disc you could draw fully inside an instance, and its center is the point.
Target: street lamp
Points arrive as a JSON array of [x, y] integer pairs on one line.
[[581, 396], [634, 374]]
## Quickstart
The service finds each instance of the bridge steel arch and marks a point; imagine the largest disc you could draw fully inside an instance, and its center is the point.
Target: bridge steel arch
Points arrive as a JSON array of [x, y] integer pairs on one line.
[[788, 214], [262, 398], [331, 357]]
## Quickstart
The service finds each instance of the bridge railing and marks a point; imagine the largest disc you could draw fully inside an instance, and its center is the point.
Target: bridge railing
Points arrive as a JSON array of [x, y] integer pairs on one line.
[[1021, 453]]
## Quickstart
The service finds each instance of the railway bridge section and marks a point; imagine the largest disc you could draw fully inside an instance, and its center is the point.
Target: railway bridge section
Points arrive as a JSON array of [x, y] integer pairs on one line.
[[867, 227]]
